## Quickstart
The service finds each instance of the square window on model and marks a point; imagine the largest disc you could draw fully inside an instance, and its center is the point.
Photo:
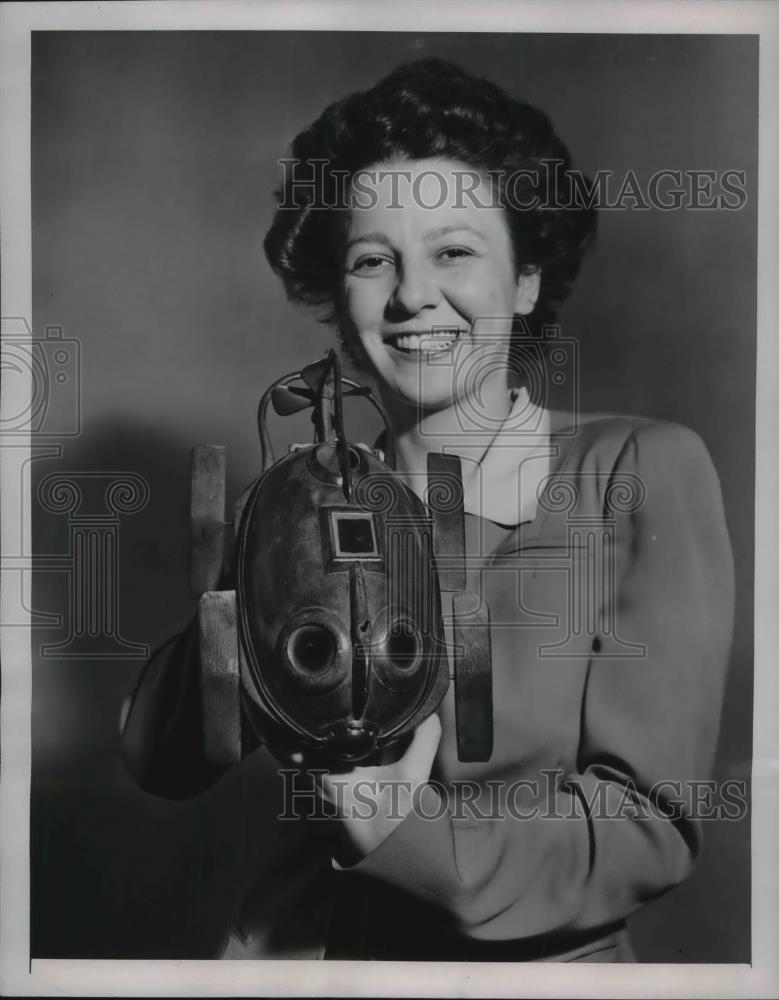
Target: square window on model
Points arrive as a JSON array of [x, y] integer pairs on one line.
[[353, 535]]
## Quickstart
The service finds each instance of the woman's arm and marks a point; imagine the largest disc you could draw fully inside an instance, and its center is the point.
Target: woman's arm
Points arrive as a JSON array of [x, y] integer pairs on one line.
[[620, 833], [162, 723]]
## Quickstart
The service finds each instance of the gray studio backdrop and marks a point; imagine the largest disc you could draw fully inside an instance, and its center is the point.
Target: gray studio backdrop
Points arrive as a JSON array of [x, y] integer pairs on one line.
[[154, 161]]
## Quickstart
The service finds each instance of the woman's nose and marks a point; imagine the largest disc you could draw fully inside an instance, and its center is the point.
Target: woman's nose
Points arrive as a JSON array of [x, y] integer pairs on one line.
[[416, 290]]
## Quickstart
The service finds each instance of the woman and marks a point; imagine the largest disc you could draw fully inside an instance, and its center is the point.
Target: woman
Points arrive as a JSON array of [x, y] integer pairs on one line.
[[436, 220]]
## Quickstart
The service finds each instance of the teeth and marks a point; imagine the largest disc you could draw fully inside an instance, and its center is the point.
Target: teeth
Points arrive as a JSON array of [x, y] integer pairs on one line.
[[440, 340]]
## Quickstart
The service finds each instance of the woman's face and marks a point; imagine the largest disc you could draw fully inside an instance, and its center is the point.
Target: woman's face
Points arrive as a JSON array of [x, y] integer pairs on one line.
[[430, 283]]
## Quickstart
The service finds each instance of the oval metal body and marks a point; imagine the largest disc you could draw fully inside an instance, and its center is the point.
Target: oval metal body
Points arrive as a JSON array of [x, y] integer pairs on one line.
[[339, 605]]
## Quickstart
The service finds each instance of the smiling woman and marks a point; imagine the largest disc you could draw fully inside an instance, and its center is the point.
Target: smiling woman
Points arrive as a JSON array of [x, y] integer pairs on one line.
[[419, 216], [411, 291]]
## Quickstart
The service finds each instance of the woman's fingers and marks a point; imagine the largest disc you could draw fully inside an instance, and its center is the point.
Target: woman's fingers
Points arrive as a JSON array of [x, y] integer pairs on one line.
[[418, 759], [413, 766]]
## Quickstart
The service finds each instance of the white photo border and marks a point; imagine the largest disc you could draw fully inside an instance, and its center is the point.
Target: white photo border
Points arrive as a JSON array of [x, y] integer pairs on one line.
[[21, 976]]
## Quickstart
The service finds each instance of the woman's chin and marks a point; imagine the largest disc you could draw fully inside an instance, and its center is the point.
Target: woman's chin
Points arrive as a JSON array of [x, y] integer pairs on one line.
[[420, 403]]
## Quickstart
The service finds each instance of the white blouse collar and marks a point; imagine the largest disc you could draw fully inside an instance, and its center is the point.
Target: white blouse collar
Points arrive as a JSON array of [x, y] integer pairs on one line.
[[502, 482]]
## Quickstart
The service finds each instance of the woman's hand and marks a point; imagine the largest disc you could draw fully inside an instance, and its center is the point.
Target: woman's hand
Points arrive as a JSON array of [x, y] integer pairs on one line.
[[372, 801]]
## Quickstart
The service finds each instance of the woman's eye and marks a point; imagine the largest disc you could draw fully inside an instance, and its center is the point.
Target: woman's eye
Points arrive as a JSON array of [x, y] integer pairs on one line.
[[454, 253], [371, 263]]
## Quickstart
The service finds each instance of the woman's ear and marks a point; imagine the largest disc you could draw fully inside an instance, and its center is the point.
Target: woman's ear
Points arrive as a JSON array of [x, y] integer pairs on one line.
[[528, 287], [352, 350]]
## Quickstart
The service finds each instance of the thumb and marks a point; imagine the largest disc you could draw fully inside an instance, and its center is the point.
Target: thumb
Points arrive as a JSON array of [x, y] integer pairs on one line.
[[421, 753]]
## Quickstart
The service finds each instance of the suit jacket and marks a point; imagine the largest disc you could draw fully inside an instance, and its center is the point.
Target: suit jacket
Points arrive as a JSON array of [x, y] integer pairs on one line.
[[611, 616]]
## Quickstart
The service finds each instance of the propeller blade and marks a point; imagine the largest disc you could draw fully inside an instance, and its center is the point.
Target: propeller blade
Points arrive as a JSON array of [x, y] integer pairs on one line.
[[313, 374], [288, 399]]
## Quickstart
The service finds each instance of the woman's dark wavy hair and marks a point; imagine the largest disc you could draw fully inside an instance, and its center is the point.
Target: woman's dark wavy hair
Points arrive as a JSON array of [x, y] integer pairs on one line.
[[431, 108]]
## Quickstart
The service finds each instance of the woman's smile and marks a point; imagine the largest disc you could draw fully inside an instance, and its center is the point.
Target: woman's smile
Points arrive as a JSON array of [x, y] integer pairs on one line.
[[419, 344]]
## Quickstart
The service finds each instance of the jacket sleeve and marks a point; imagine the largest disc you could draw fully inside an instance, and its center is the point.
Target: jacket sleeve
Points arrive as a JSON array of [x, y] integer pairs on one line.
[[162, 723], [620, 830]]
